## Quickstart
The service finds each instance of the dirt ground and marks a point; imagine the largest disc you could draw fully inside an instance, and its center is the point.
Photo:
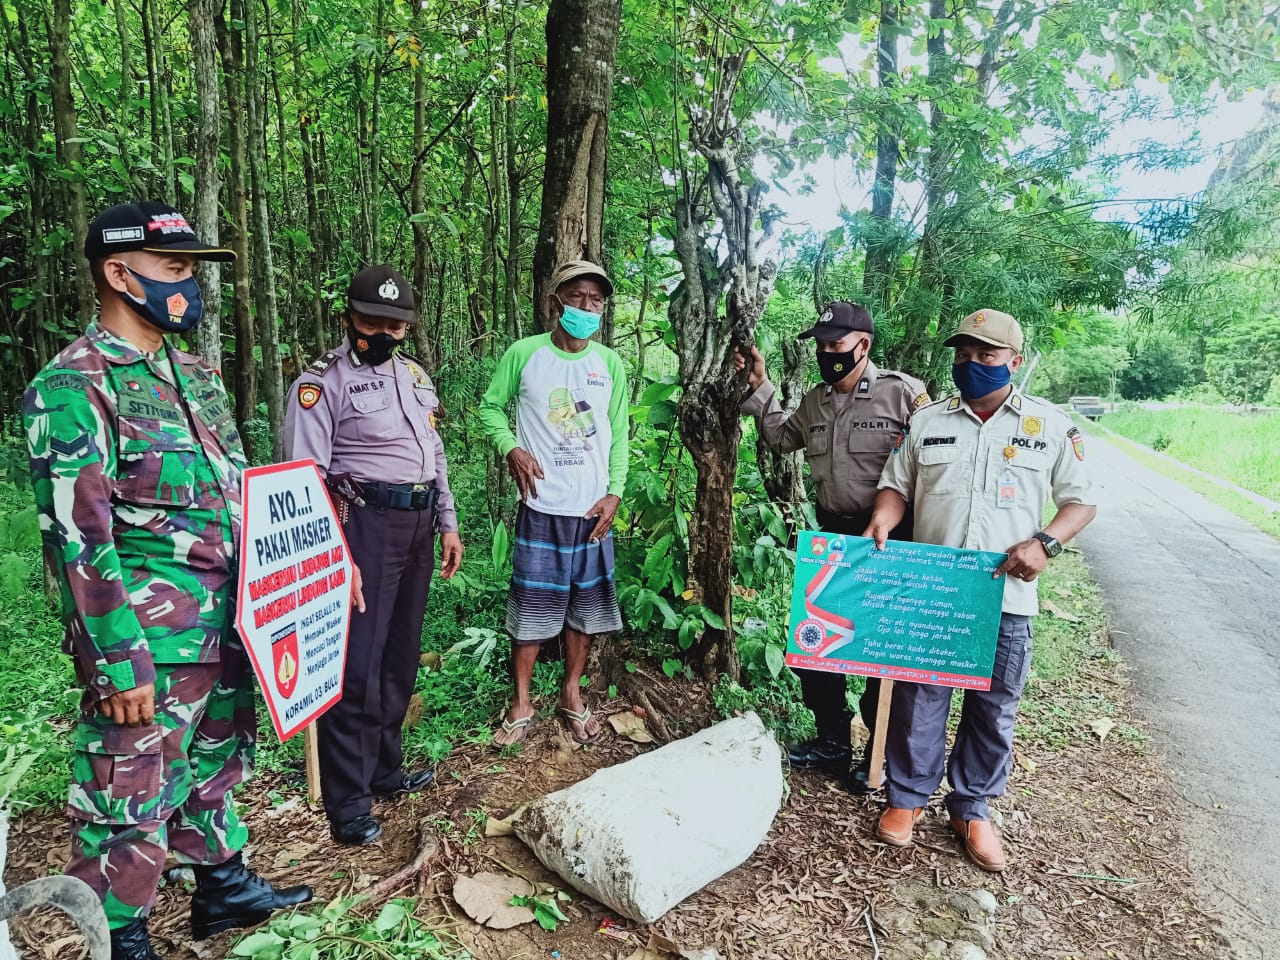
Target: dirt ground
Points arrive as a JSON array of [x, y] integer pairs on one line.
[[1097, 864]]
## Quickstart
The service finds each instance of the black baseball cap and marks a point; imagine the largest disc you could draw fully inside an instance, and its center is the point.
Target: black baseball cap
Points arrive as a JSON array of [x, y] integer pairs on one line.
[[147, 225], [382, 291], [840, 318]]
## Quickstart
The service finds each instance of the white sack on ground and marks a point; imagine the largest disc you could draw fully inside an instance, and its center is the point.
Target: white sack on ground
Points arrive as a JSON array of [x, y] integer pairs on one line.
[[645, 834]]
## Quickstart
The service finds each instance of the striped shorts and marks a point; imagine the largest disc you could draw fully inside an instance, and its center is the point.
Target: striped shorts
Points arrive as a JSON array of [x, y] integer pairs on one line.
[[560, 579]]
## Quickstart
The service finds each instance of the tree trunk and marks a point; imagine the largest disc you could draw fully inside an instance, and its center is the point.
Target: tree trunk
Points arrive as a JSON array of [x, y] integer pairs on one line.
[[582, 44], [264, 276], [70, 157], [511, 138], [710, 422], [204, 56], [314, 228], [877, 276], [161, 121], [231, 43]]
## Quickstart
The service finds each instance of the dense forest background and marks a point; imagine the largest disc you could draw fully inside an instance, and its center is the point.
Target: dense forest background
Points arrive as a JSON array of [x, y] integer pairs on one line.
[[475, 144]]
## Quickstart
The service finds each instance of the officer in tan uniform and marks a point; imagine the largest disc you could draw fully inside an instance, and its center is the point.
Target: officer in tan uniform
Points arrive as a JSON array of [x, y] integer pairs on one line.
[[979, 469], [847, 427], [365, 412]]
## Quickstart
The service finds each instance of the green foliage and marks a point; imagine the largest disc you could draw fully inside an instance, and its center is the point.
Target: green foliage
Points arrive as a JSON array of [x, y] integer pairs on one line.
[[1160, 367], [546, 909], [338, 931]]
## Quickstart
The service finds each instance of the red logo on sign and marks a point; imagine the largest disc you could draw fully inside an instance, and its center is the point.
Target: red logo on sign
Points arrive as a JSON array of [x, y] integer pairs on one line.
[[284, 659], [177, 305]]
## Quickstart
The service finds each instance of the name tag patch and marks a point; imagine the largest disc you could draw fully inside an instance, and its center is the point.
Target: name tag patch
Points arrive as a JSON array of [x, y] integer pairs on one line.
[[1026, 443], [368, 386], [938, 442], [871, 425]]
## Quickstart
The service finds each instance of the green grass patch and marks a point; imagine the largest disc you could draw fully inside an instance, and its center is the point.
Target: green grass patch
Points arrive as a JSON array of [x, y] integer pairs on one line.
[[1240, 447], [1071, 651], [1252, 512]]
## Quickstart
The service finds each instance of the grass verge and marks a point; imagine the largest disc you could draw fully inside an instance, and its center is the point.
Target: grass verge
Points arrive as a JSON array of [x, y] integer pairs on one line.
[[1240, 447], [1268, 521], [1072, 660]]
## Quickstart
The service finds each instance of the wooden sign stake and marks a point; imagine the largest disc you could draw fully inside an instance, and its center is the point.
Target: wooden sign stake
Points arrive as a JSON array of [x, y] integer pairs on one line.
[[313, 764], [876, 775]]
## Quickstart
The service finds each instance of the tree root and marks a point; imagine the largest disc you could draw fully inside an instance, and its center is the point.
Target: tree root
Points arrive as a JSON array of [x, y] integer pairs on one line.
[[428, 848]]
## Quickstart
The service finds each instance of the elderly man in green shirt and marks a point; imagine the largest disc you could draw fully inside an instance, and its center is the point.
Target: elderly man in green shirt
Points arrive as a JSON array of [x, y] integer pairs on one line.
[[568, 456]]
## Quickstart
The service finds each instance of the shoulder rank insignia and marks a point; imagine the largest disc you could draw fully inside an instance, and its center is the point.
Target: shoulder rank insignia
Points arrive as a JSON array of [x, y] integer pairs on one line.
[[319, 366], [1015, 401], [953, 403]]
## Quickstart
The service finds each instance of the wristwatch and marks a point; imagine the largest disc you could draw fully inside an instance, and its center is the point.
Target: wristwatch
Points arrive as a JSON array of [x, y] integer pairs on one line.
[[1051, 546]]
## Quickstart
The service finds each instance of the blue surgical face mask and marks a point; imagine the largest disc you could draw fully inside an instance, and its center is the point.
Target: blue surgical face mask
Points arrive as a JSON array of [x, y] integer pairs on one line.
[[174, 307], [976, 379], [579, 324]]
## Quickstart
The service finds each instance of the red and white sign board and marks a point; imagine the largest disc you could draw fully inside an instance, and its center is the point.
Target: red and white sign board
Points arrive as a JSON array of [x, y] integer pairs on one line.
[[294, 595]]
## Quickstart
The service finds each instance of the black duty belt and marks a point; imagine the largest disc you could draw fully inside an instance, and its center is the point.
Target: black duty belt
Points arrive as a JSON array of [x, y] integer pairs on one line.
[[399, 496]]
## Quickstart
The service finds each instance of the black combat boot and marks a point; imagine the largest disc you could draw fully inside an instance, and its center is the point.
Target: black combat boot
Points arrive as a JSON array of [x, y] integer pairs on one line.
[[230, 895], [132, 942]]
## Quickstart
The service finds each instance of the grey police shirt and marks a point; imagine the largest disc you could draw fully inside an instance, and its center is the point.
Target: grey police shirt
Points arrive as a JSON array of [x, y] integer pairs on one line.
[[373, 422], [846, 437]]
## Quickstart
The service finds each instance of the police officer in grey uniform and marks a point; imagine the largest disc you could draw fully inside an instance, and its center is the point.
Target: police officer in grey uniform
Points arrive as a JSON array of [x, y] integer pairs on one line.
[[847, 427], [979, 468], [366, 413]]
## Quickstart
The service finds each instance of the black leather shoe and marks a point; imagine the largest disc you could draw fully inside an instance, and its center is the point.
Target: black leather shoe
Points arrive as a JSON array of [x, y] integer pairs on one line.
[[230, 895], [821, 753], [860, 776], [409, 783], [132, 942], [356, 832]]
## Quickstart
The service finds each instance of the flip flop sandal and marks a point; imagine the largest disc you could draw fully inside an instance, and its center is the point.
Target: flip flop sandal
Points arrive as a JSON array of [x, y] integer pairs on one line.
[[520, 726], [569, 718]]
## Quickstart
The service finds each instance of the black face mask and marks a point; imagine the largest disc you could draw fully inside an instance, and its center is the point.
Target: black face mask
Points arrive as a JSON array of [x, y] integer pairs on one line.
[[372, 348], [834, 367]]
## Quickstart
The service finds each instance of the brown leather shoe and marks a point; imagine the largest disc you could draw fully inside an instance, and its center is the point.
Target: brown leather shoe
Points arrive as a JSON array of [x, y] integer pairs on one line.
[[896, 824], [981, 843]]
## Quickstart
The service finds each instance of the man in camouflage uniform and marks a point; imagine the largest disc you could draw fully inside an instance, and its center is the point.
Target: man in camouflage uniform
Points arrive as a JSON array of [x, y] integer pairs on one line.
[[136, 466]]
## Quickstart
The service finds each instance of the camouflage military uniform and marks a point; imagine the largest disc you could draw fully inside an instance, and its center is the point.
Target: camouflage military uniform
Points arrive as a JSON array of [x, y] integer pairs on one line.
[[137, 480]]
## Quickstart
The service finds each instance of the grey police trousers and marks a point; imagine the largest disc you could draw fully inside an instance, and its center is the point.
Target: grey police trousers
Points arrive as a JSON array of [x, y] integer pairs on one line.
[[916, 744]]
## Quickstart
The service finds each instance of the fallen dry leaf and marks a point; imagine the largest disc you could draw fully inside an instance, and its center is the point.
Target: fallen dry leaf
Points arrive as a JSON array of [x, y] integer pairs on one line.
[[431, 660], [1102, 726], [413, 716], [630, 726], [294, 854], [1058, 612], [485, 898], [1027, 764]]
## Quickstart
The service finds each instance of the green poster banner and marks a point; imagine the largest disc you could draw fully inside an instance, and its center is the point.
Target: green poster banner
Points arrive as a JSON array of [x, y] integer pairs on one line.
[[912, 611]]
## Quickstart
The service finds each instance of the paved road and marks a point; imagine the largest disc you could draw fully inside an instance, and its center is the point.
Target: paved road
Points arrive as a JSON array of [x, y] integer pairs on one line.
[[1194, 598]]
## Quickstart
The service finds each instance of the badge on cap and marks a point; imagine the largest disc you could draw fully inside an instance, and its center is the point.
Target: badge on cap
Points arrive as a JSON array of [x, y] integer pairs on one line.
[[389, 290], [308, 395], [826, 317], [980, 319]]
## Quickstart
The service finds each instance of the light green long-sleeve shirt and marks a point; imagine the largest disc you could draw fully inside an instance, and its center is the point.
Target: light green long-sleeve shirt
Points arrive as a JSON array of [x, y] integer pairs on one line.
[[571, 415]]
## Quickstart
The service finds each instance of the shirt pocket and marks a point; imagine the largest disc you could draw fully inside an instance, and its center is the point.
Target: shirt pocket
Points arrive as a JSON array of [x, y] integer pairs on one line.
[[1030, 468], [817, 451], [117, 773], [946, 470], [373, 416], [868, 450], [156, 464]]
